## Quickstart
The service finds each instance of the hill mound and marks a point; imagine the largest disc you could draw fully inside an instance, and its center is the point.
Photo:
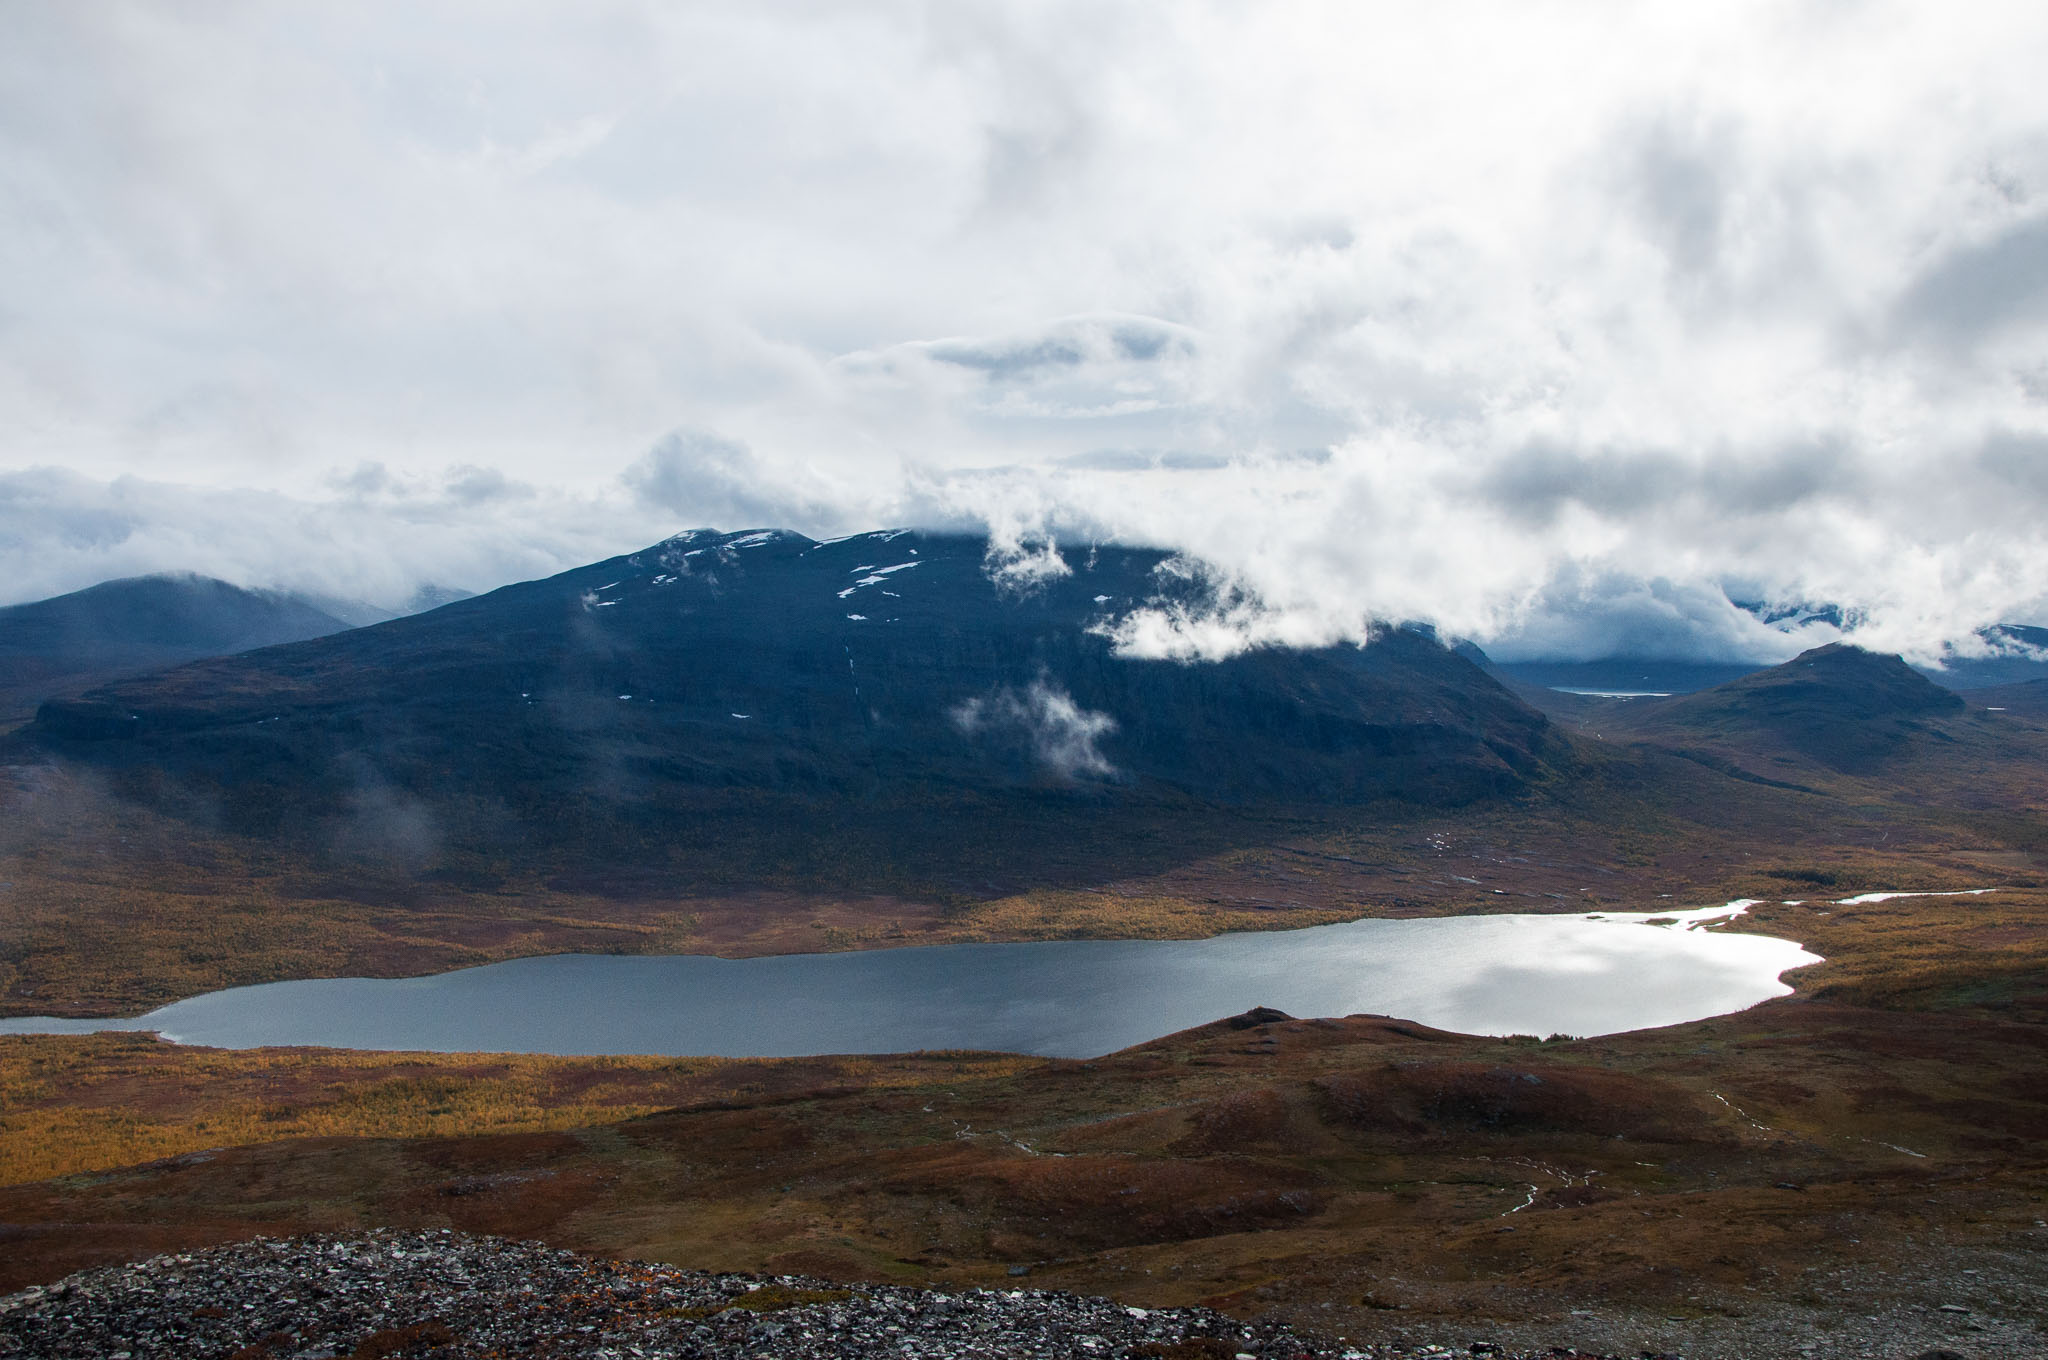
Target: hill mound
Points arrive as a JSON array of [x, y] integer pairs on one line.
[[1840, 706]]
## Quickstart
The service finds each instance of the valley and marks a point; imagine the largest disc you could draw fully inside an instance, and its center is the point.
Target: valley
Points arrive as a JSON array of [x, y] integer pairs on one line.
[[1869, 1148], [638, 759], [1023, 681]]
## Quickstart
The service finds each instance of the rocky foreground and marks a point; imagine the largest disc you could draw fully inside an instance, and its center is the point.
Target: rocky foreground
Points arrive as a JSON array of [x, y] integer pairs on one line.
[[391, 1295]]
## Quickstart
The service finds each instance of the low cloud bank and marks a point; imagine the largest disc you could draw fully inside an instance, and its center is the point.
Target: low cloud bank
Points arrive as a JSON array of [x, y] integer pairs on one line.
[[1287, 552], [380, 539]]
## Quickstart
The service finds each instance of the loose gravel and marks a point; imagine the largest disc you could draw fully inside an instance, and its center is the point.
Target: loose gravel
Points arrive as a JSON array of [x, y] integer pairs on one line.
[[395, 1295], [389, 1295]]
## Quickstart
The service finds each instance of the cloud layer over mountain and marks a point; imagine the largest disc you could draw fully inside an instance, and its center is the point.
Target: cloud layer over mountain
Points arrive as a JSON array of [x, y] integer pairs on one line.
[[1557, 324]]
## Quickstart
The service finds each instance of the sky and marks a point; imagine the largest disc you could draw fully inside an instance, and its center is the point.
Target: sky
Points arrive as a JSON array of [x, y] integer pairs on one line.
[[1560, 326]]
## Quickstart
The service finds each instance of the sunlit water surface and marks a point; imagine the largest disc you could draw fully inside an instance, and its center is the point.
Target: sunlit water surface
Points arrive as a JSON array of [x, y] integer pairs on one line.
[[1538, 975]]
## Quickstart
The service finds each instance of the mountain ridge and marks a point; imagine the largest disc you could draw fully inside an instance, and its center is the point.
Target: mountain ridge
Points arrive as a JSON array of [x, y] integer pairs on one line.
[[764, 659], [137, 624]]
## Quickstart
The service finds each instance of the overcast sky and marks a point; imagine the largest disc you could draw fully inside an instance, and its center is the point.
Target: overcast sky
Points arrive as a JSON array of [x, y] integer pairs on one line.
[[1557, 324]]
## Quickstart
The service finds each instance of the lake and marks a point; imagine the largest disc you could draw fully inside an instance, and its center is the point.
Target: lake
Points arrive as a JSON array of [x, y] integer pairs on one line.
[[1577, 974]]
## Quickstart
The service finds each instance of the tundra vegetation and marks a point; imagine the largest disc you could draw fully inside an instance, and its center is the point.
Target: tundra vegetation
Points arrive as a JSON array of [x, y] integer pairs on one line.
[[1878, 1132]]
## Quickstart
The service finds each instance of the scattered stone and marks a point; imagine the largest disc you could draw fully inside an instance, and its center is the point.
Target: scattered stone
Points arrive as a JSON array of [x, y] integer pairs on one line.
[[390, 1295]]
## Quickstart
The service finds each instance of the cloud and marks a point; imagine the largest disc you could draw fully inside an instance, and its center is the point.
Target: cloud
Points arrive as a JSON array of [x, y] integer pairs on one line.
[[1555, 328], [1979, 289], [375, 536], [702, 479], [1062, 735], [1589, 615], [1200, 613], [384, 826], [1020, 562]]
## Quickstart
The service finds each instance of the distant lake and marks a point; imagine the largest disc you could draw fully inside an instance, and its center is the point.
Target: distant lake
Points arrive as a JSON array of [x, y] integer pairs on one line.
[[1612, 693], [1538, 975]]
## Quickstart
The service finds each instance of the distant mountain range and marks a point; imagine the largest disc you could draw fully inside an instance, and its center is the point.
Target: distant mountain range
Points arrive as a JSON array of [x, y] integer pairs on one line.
[[2013, 653], [2017, 654], [142, 623], [758, 701], [130, 626], [754, 675]]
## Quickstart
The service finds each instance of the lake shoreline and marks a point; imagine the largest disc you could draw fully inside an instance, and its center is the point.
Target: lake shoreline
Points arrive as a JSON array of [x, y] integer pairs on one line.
[[1495, 974]]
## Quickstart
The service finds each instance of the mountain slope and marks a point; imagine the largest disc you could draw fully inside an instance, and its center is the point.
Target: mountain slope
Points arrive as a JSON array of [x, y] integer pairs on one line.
[[1839, 707], [2029, 697], [137, 624], [755, 675]]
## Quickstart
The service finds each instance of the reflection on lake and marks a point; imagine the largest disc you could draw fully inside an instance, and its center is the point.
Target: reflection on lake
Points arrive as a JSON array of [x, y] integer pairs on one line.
[[1072, 998]]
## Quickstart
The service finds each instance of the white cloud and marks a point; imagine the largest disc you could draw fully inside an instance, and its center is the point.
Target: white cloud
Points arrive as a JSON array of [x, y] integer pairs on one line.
[[1551, 323], [1062, 735], [379, 537]]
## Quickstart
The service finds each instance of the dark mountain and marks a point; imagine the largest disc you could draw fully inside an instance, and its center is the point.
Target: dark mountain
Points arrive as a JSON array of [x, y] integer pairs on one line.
[[762, 682], [1838, 706], [142, 623], [2018, 654], [1797, 614]]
